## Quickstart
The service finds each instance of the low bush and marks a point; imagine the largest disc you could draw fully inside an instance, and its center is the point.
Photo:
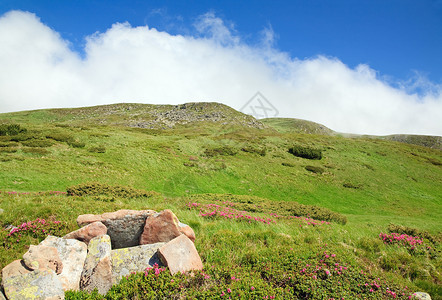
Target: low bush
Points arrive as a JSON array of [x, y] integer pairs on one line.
[[8, 144], [25, 136], [254, 149], [76, 144], [11, 129], [98, 189], [60, 137], [287, 164], [38, 143], [284, 208], [97, 149], [313, 169], [222, 150], [350, 185], [415, 232], [305, 152], [40, 151], [8, 149]]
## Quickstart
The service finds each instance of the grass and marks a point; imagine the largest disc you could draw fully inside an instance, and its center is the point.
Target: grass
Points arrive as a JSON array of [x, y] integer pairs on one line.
[[371, 182]]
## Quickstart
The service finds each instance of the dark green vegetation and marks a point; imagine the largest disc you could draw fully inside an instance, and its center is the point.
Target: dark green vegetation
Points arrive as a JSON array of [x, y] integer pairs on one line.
[[210, 154]]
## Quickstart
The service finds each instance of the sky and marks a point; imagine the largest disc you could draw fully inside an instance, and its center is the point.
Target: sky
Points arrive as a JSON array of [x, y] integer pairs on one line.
[[367, 66]]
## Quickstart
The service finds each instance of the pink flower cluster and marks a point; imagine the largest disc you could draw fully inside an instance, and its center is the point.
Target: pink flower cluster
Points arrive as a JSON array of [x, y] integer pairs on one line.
[[226, 212], [157, 270], [309, 221], [31, 225], [401, 239]]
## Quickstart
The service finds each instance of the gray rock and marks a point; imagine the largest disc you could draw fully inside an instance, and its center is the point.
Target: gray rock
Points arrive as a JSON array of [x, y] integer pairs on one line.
[[135, 259], [72, 254], [124, 226], [97, 270], [16, 268], [2, 296], [43, 257], [88, 232], [421, 296], [40, 284]]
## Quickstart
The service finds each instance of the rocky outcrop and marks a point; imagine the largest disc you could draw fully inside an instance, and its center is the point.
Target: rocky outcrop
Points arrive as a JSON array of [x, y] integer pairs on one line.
[[420, 296], [135, 259], [180, 255], [164, 227], [88, 232], [124, 226], [43, 257], [72, 254], [40, 284], [97, 270], [60, 264]]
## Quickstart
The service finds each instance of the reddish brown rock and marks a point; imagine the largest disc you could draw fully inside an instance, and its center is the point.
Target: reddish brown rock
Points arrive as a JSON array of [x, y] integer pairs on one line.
[[164, 227], [88, 232], [180, 255], [124, 226], [43, 257]]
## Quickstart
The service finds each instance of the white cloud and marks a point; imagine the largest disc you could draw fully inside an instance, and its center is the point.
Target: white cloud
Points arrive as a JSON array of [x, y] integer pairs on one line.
[[141, 64]]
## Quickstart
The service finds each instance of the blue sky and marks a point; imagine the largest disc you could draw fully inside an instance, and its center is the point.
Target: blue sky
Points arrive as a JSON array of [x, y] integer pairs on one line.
[[391, 48]]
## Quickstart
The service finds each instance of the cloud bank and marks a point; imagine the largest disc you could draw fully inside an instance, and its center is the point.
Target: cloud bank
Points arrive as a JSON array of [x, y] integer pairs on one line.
[[140, 64]]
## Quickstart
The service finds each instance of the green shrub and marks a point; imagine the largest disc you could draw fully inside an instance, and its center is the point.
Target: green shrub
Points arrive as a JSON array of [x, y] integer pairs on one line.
[[8, 149], [23, 137], [370, 244], [97, 149], [305, 152], [99, 189], [8, 144], [253, 149], [11, 129], [223, 150], [76, 144], [60, 137], [287, 164], [40, 151], [317, 170], [38, 143], [350, 185]]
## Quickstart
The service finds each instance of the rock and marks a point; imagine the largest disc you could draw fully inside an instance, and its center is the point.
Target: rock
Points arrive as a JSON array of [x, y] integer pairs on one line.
[[124, 226], [1, 211], [135, 259], [88, 232], [421, 296], [40, 284], [180, 255], [97, 270], [164, 227], [16, 268], [2, 296], [73, 254], [187, 231], [43, 257]]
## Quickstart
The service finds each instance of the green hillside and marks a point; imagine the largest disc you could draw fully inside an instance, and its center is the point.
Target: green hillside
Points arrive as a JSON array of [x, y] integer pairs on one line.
[[209, 153]]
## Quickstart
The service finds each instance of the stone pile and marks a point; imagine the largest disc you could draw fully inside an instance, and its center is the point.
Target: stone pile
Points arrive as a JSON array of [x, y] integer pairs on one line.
[[106, 248]]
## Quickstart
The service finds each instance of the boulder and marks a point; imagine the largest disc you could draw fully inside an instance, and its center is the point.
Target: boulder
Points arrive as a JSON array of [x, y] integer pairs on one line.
[[135, 259], [16, 268], [97, 270], [124, 226], [1, 211], [164, 227], [421, 296], [73, 254], [43, 257], [40, 284], [88, 232], [180, 255], [2, 296]]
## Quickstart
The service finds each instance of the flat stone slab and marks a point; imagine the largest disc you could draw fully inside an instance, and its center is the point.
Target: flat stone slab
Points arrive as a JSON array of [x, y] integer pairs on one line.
[[73, 254], [37, 285], [124, 226], [97, 270], [135, 259], [88, 232], [180, 255]]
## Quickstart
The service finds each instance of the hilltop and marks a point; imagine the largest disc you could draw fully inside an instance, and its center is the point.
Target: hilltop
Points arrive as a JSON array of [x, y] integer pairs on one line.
[[323, 192]]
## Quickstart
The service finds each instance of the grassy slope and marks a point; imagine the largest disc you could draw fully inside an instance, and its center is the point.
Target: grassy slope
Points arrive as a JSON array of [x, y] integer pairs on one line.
[[395, 183]]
